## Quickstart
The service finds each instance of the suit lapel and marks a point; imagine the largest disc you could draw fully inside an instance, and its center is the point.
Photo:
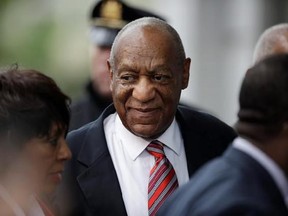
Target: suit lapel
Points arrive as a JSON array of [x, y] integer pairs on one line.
[[198, 146], [204, 136], [190, 140], [99, 182]]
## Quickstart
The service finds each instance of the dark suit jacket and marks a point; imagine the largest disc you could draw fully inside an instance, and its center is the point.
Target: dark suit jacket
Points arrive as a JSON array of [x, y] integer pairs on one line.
[[91, 177], [234, 184]]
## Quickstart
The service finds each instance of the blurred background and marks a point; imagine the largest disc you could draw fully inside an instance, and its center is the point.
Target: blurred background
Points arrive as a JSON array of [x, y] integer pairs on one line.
[[218, 35]]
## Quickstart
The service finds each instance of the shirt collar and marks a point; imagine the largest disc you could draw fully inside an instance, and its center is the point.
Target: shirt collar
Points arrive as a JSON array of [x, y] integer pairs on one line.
[[273, 169], [135, 145]]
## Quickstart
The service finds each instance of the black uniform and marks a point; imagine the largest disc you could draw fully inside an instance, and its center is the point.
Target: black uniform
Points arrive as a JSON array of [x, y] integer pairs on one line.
[[88, 108]]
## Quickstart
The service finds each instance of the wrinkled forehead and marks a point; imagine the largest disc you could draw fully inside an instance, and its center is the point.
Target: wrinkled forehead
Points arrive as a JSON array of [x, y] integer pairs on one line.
[[145, 36]]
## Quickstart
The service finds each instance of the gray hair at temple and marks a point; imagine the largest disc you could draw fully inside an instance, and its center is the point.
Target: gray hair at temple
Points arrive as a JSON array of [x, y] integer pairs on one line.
[[263, 99], [273, 40]]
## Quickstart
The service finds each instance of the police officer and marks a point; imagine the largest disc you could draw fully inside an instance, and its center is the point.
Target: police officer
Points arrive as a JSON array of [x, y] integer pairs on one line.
[[106, 19]]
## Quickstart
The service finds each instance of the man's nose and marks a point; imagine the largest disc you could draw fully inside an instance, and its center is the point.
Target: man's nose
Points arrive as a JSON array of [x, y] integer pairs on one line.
[[143, 90]]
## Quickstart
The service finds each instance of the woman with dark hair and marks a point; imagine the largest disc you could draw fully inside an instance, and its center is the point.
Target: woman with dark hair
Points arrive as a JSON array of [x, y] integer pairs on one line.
[[34, 119]]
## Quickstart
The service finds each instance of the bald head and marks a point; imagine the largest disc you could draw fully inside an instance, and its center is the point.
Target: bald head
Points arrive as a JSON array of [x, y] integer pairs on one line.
[[154, 24], [273, 41]]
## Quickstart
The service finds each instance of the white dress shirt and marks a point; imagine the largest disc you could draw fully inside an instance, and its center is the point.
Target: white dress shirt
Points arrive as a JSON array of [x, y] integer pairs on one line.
[[34, 208], [133, 163], [272, 168]]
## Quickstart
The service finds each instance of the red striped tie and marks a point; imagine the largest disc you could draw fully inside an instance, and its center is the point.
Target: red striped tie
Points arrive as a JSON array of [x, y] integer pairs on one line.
[[162, 180]]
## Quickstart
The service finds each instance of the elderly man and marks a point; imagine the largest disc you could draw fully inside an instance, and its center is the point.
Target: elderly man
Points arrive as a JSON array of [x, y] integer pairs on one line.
[[251, 176], [106, 19], [143, 146]]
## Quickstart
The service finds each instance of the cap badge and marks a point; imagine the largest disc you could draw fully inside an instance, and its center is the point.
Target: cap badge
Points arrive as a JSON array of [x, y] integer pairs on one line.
[[111, 9]]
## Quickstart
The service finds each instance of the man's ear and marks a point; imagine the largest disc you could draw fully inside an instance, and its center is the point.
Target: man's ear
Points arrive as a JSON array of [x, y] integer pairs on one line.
[[186, 73], [111, 73]]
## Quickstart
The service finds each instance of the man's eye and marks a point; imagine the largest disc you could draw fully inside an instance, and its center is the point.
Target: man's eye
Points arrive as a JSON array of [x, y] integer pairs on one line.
[[161, 77], [128, 78]]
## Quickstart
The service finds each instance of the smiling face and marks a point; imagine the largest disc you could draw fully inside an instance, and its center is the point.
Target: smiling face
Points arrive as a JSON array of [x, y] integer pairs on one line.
[[147, 80], [45, 157]]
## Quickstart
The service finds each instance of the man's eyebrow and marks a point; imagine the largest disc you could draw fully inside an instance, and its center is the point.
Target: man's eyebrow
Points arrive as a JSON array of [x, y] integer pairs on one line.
[[160, 68], [125, 66]]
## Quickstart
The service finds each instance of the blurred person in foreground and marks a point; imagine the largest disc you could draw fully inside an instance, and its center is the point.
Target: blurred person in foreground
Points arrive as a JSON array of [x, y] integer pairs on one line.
[[106, 20], [272, 41], [251, 176], [144, 137], [34, 119]]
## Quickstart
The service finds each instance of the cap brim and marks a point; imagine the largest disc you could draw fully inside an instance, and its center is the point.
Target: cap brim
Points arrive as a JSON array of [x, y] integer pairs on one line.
[[102, 36]]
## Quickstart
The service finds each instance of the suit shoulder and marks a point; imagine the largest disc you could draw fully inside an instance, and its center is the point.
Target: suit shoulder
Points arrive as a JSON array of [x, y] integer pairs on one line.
[[197, 114], [217, 187], [76, 137], [203, 121]]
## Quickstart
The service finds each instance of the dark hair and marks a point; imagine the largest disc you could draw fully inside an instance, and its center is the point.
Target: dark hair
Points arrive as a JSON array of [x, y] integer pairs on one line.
[[263, 98], [30, 103]]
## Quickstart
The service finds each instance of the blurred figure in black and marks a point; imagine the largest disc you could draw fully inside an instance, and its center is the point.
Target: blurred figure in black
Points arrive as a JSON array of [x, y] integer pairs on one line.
[[106, 20]]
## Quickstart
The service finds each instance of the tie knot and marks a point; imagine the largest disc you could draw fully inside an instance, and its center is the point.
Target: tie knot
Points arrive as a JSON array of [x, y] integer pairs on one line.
[[155, 148]]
